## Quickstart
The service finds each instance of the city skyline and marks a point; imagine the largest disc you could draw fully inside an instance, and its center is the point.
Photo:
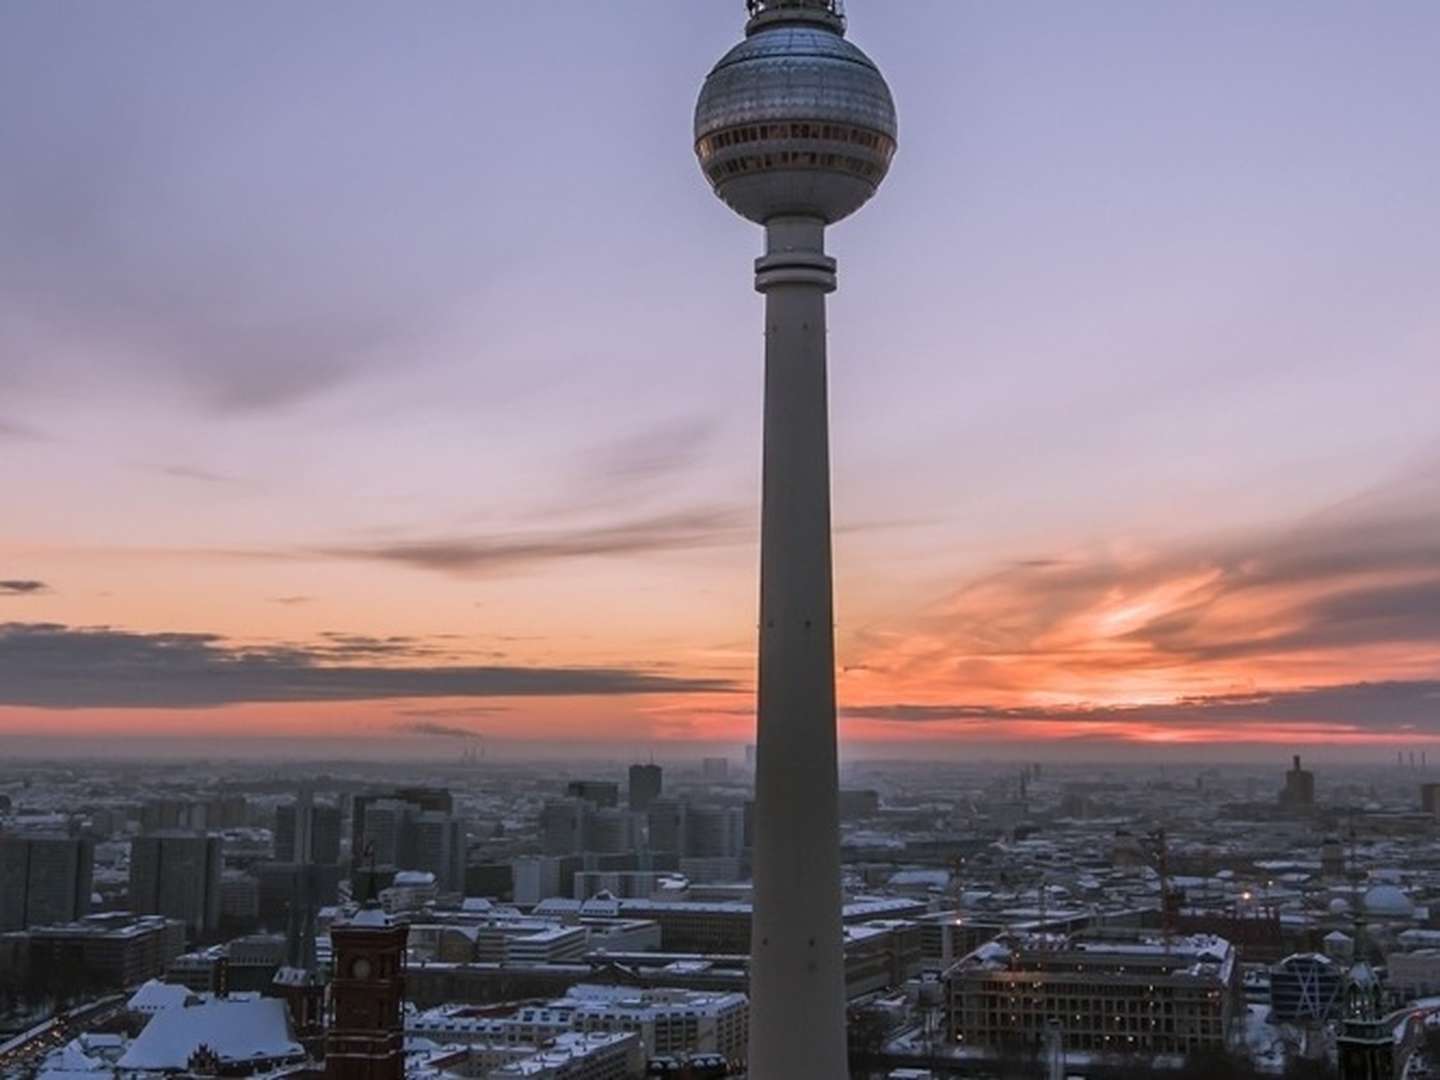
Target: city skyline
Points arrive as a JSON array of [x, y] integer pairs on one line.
[[1134, 434]]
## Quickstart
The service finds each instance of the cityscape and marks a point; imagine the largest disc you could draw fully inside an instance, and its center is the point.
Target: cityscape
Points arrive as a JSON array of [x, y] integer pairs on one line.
[[593, 919], [452, 627]]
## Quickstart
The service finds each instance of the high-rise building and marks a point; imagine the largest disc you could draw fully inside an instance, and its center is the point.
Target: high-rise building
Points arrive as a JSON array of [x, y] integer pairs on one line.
[[714, 831], [667, 818], [421, 798], [609, 831], [177, 874], [795, 128], [562, 826], [715, 768], [44, 879], [1299, 789], [646, 783], [438, 847], [366, 1039], [600, 792], [320, 822]]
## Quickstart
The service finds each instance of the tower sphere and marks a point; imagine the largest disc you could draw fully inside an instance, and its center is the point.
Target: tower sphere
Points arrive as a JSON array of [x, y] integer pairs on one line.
[[795, 120]]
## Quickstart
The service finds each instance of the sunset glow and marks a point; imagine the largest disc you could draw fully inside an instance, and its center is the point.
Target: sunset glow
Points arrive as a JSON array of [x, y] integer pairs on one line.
[[338, 411]]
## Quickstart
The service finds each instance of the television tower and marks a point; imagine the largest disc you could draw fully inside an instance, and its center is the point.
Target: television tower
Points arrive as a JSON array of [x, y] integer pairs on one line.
[[795, 129]]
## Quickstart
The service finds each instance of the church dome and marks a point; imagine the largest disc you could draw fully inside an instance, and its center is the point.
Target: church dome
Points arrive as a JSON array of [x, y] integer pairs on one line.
[[1388, 901]]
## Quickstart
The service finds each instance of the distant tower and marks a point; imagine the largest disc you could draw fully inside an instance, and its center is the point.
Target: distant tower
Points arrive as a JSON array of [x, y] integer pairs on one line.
[[646, 784], [795, 129], [366, 1040], [1299, 790]]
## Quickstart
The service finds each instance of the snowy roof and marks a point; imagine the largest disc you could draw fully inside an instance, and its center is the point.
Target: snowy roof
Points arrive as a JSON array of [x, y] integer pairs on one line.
[[370, 917], [156, 995], [236, 1031]]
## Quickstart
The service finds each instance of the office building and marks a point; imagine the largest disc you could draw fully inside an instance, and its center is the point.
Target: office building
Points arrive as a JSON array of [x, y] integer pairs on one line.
[[609, 831], [562, 826], [316, 826], [117, 949], [1306, 988], [646, 783], [438, 800], [603, 793], [666, 818], [1142, 996], [177, 874], [44, 879]]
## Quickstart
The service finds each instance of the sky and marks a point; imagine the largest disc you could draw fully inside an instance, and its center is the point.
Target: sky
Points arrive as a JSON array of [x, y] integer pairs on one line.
[[379, 375]]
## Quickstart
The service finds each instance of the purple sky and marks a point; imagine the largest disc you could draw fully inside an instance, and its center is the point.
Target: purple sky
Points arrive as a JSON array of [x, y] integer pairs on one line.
[[420, 320]]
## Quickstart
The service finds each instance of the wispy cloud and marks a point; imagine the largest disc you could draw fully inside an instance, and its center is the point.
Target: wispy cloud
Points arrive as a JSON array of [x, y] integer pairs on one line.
[[1362, 708], [292, 601], [13, 429], [60, 667], [22, 587], [477, 554], [189, 472], [430, 727], [1347, 594]]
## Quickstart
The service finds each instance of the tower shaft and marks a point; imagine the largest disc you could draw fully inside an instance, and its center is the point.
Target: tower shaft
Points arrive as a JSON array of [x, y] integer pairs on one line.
[[797, 971]]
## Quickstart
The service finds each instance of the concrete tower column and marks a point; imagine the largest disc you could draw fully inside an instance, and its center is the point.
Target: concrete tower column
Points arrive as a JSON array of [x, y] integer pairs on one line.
[[797, 969]]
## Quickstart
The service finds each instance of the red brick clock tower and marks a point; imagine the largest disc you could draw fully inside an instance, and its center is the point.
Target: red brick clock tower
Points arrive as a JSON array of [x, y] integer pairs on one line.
[[366, 1040]]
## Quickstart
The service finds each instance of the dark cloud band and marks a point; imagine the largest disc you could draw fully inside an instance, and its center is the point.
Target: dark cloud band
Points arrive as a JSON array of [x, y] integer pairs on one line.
[[52, 666]]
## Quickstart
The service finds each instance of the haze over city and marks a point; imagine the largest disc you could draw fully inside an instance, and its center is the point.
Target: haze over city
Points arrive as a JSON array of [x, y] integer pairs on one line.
[[372, 384]]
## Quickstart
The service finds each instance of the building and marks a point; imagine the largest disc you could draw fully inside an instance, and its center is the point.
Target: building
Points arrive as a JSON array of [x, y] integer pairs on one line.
[[602, 793], [578, 1057], [404, 835], [366, 1039], [610, 831], [667, 819], [1366, 1043], [1306, 988], [44, 879], [539, 877], [858, 803], [177, 874], [795, 129], [1140, 996], [1411, 975], [715, 769], [117, 950], [438, 847], [668, 1021], [1299, 791], [646, 783], [562, 826], [421, 798], [215, 1037], [714, 831], [1430, 798], [316, 824]]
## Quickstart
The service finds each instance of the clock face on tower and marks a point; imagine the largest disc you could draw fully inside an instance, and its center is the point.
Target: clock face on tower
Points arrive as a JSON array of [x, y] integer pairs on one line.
[[360, 969]]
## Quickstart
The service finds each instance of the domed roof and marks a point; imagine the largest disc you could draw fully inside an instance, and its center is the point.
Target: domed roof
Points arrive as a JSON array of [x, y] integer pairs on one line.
[[1339, 906], [795, 72], [795, 120], [1389, 901]]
